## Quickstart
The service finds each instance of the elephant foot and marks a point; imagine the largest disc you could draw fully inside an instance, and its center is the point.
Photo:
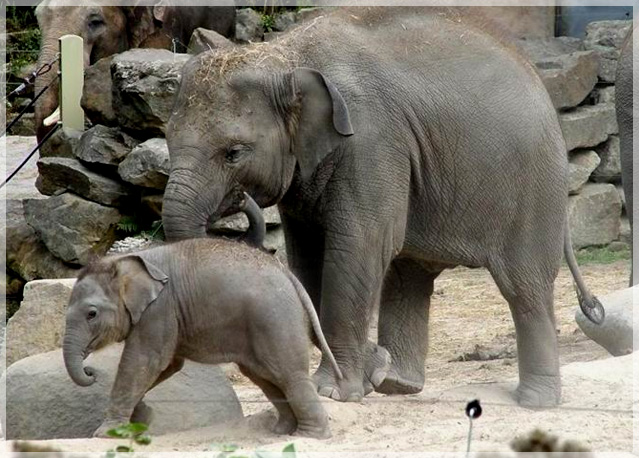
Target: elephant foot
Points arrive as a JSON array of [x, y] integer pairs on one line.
[[394, 383], [285, 426], [142, 414], [539, 391], [355, 384]]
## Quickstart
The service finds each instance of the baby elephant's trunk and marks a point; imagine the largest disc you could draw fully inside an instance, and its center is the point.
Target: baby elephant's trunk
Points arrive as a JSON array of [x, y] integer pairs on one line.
[[315, 323]]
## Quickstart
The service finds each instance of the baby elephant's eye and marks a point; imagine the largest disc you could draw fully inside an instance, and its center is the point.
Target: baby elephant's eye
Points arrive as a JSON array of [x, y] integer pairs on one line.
[[92, 314], [236, 152]]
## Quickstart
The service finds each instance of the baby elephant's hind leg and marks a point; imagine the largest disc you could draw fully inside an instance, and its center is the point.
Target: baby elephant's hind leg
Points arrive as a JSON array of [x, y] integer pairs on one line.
[[286, 423], [312, 419]]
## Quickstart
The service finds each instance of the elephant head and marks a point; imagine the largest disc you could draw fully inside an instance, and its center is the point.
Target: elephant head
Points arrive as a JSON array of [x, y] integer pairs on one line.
[[245, 129], [108, 298], [106, 30]]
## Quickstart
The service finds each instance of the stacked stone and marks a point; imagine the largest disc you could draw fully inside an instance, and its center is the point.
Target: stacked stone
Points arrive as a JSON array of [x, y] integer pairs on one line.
[[580, 75]]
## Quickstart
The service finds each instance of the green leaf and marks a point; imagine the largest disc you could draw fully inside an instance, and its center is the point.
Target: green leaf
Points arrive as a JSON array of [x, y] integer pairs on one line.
[[142, 440], [137, 428], [118, 432], [110, 454], [123, 449], [228, 448], [290, 450]]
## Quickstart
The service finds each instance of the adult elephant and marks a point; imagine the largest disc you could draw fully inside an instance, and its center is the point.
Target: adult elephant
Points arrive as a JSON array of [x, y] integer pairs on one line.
[[108, 30], [398, 143], [625, 109]]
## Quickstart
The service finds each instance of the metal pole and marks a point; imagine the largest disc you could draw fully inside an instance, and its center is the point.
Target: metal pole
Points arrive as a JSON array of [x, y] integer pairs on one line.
[[71, 81]]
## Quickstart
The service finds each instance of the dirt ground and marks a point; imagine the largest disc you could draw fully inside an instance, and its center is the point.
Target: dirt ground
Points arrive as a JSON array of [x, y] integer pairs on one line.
[[467, 312]]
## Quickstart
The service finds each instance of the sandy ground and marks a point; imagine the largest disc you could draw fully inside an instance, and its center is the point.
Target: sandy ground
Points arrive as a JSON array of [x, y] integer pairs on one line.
[[16, 148], [467, 311]]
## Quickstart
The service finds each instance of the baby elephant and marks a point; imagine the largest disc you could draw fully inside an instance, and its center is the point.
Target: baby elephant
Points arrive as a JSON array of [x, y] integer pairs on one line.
[[207, 300]]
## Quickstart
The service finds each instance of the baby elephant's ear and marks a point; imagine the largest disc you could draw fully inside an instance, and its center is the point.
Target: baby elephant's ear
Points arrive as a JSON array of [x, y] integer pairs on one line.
[[140, 282]]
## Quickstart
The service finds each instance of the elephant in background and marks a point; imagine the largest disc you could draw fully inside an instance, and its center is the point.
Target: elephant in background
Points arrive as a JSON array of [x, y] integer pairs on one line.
[[625, 114], [398, 142], [108, 30]]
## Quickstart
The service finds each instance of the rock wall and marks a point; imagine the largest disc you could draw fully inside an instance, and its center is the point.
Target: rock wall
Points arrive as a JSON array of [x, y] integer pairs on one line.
[[112, 175]]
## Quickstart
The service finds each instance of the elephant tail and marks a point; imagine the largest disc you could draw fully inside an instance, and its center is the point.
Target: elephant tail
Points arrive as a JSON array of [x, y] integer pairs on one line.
[[589, 304], [315, 323]]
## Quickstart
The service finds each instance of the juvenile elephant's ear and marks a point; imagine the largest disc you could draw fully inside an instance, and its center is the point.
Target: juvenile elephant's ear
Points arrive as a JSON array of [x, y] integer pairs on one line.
[[323, 119], [139, 283]]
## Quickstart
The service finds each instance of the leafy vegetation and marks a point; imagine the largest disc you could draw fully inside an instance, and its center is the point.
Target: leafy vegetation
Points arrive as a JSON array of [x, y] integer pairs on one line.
[[134, 432], [23, 42], [601, 255], [228, 451]]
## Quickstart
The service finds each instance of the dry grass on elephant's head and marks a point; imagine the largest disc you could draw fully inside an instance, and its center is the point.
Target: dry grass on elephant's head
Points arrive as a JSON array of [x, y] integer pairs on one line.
[[218, 64]]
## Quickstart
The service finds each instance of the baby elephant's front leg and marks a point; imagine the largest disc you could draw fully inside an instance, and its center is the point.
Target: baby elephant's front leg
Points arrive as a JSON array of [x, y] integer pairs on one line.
[[138, 372]]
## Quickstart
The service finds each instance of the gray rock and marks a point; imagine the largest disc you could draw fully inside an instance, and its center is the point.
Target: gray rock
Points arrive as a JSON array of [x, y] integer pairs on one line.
[[307, 14], [147, 165], [622, 196], [97, 98], [207, 40], [73, 229], [594, 215], [609, 171], [569, 78], [144, 85], [284, 20], [26, 255], [104, 146], [248, 25], [239, 222], [38, 326], [604, 94], [618, 245], [43, 403], [542, 48], [63, 143], [59, 174], [270, 36], [581, 164], [588, 126], [606, 39], [615, 334]]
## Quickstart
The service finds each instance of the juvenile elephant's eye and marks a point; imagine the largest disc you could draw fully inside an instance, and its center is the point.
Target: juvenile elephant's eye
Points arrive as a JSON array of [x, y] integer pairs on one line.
[[92, 314], [236, 152]]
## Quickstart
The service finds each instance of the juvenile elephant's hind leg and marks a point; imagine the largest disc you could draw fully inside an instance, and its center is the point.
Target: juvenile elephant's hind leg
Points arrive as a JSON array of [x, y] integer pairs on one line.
[[403, 325], [312, 419], [531, 303], [286, 422]]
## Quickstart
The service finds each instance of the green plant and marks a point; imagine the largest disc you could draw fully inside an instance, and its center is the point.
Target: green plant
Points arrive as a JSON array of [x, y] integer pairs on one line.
[[134, 432], [268, 22], [601, 255], [128, 225], [228, 451]]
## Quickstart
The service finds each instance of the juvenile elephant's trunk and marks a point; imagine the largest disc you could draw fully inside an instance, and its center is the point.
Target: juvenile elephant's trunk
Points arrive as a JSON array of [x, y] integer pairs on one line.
[[73, 349]]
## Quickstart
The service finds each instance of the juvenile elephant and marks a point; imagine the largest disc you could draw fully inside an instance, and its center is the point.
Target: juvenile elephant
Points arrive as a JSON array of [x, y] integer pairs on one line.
[[108, 30], [625, 110], [209, 301], [398, 142]]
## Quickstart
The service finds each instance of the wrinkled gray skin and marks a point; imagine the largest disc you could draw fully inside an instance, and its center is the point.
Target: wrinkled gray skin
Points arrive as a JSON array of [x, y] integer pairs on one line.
[[625, 108], [399, 144], [108, 30], [210, 301]]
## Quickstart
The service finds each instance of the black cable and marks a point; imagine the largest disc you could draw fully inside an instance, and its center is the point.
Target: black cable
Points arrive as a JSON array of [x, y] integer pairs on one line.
[[22, 113], [26, 159]]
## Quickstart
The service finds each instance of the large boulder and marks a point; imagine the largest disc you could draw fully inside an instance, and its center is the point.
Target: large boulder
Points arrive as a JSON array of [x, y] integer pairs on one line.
[[59, 174], [615, 334], [147, 165], [38, 326], [609, 170], [588, 126], [594, 215], [581, 164], [569, 78], [144, 85], [97, 98], [104, 146], [606, 39], [74, 229], [26, 255], [207, 40], [248, 26], [43, 403], [63, 143]]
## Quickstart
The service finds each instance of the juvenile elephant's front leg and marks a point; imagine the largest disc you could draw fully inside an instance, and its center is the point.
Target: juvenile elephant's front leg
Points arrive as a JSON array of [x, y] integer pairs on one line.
[[139, 369], [352, 276]]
